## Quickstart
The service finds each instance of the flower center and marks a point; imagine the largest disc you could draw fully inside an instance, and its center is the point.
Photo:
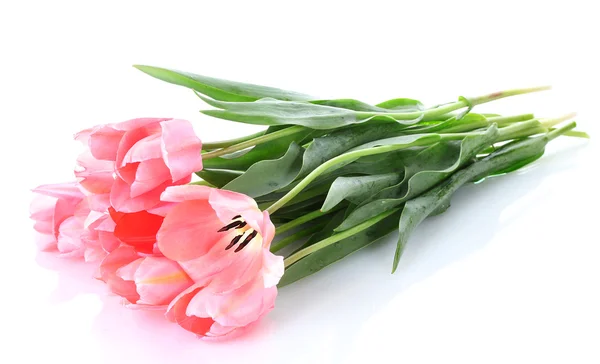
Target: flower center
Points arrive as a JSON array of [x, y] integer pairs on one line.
[[238, 224]]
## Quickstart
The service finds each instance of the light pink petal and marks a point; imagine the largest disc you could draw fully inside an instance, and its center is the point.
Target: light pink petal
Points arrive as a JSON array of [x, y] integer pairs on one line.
[[99, 202], [139, 123], [127, 272], [180, 148], [104, 141], [176, 312], [93, 254], [272, 268], [69, 236], [84, 136], [186, 193], [160, 280], [228, 204], [108, 272], [66, 191], [237, 308], [144, 149], [267, 230], [127, 172], [42, 207], [121, 200], [149, 175], [95, 175], [189, 230], [130, 138]]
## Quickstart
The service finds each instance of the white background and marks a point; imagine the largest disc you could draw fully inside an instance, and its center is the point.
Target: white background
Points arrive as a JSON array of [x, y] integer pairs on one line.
[[510, 274]]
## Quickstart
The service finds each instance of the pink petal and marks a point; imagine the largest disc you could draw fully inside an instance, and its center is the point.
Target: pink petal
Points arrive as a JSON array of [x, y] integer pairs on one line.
[[120, 197], [144, 149], [139, 123], [66, 191], [189, 230], [160, 280], [130, 138], [176, 312], [95, 175], [180, 148], [272, 268], [149, 175], [108, 272], [104, 141], [186, 193], [69, 236], [237, 308]]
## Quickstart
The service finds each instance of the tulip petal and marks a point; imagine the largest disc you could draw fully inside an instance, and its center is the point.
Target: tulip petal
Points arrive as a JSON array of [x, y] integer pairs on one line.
[[108, 273], [176, 312], [159, 280], [185, 193], [104, 141], [95, 175], [189, 230], [149, 175], [181, 148], [137, 229], [272, 268]]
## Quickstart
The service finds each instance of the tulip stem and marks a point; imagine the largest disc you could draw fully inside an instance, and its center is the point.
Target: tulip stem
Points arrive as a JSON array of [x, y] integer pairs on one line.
[[296, 236], [304, 219], [230, 142], [335, 238], [254, 141]]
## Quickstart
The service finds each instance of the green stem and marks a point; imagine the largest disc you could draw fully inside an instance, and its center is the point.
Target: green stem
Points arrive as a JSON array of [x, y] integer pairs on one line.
[[498, 120], [462, 103], [335, 238], [303, 219], [202, 183], [230, 142], [254, 141], [296, 236]]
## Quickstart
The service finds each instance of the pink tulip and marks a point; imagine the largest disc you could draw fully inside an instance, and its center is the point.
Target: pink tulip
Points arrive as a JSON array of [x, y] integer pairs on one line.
[[66, 224], [217, 275], [221, 239], [134, 161]]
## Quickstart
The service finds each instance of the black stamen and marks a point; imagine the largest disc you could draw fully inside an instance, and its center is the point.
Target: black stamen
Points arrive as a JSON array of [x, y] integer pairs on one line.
[[246, 241], [234, 241], [242, 225], [236, 217], [230, 226]]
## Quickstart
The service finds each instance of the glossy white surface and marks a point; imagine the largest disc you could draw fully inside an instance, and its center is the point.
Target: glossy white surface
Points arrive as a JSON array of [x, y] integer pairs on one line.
[[509, 274]]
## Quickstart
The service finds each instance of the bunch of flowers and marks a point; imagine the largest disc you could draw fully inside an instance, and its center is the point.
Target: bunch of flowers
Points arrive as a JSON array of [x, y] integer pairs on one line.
[[328, 177]]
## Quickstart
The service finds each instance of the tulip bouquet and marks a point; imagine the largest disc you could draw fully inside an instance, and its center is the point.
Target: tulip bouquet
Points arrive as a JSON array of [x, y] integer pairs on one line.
[[323, 180]]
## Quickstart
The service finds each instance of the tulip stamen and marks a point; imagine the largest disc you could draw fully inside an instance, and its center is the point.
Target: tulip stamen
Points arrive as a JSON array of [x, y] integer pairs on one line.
[[246, 241], [234, 241]]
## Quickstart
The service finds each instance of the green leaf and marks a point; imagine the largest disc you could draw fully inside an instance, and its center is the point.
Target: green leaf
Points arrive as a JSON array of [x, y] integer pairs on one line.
[[437, 199], [401, 104], [270, 111], [218, 177], [340, 141], [422, 172], [271, 150], [331, 254], [349, 188], [269, 175], [356, 105], [320, 150], [220, 89]]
